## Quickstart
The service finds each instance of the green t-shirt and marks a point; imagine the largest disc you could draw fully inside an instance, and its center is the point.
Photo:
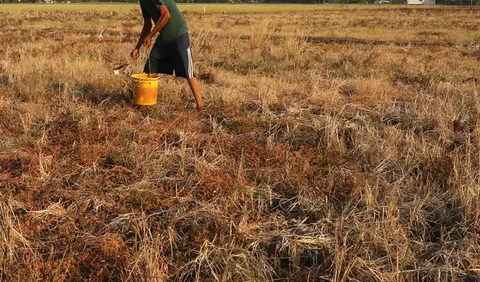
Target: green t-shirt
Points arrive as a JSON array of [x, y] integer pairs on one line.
[[175, 27]]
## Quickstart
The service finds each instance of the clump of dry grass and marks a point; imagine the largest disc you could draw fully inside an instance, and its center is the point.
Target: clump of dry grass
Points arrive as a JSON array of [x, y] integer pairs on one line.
[[317, 159]]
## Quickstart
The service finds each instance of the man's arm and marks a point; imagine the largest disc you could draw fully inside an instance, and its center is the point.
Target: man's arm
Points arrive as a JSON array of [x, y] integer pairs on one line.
[[147, 27], [164, 18]]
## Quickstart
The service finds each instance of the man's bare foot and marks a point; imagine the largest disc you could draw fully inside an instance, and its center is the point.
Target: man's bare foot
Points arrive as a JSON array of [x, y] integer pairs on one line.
[[197, 93]]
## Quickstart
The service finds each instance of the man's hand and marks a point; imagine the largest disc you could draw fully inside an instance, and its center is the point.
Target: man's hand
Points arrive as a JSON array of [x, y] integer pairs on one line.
[[148, 41], [134, 54]]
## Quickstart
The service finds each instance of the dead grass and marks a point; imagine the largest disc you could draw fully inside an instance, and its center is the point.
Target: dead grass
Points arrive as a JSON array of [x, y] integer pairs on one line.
[[315, 160]]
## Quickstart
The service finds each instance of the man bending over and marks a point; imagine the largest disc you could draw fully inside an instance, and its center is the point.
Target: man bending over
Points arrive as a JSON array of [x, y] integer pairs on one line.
[[171, 51]]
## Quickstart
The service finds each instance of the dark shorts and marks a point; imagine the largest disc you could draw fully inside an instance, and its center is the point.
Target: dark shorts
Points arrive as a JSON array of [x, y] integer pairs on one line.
[[175, 56]]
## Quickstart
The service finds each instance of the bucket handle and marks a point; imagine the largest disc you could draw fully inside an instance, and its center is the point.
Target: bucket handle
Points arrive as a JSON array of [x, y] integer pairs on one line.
[[133, 89]]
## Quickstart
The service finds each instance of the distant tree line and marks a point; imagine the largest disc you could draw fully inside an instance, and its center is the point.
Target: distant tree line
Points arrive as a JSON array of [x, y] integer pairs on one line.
[[438, 2]]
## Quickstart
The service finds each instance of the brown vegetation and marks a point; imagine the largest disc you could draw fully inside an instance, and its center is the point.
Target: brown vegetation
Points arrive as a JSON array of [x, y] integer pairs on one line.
[[327, 160]]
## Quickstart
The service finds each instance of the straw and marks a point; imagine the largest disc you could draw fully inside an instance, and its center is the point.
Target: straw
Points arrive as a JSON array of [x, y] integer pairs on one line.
[[148, 59], [149, 66]]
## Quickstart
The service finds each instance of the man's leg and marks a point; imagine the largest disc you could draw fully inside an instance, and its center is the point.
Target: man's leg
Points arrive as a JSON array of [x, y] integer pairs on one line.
[[196, 91], [183, 65]]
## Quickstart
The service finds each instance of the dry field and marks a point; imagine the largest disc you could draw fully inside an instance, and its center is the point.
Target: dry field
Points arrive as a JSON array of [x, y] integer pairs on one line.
[[340, 144]]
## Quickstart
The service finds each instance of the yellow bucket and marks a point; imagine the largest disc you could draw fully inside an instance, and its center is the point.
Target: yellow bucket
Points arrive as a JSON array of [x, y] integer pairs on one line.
[[145, 89]]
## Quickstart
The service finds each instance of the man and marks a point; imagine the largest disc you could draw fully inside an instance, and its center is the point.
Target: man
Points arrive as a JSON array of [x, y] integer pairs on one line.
[[171, 51]]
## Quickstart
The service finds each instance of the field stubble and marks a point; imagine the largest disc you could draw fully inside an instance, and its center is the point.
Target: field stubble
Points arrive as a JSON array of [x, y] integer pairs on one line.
[[327, 160]]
